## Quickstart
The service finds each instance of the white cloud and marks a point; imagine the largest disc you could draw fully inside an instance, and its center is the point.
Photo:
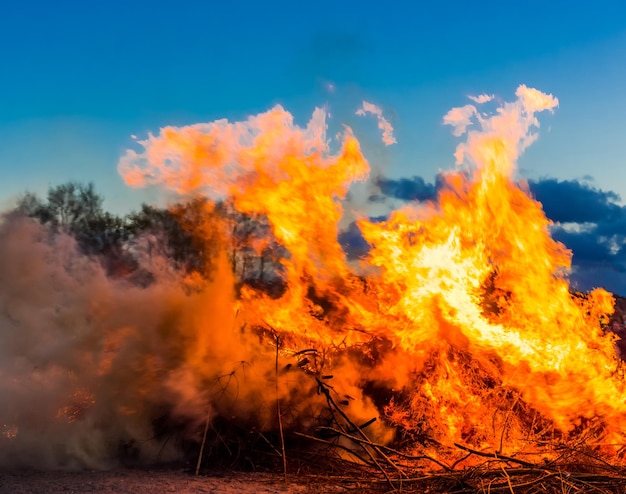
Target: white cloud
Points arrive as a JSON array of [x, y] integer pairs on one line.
[[481, 98], [383, 123]]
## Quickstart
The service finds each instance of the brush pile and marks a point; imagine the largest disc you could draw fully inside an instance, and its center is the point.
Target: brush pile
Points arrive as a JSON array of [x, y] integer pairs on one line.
[[331, 448]]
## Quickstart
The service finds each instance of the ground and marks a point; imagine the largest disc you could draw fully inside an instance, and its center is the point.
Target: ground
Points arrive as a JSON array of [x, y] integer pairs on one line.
[[157, 481]]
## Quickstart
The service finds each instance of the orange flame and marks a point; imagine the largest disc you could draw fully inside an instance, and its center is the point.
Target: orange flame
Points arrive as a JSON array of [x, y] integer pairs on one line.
[[462, 305]]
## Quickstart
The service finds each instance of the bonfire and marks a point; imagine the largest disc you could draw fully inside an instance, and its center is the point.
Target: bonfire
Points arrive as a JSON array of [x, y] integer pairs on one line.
[[452, 356]]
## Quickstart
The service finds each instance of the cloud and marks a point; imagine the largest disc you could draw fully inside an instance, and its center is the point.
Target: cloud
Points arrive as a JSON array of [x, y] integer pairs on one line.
[[403, 189], [352, 242], [383, 123], [571, 201], [407, 189], [481, 98], [591, 223]]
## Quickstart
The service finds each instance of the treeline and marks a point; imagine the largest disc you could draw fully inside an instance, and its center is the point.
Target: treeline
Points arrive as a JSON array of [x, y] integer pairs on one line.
[[189, 235]]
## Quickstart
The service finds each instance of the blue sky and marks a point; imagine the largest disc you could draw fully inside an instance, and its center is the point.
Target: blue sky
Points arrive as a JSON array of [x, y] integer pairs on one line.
[[78, 78]]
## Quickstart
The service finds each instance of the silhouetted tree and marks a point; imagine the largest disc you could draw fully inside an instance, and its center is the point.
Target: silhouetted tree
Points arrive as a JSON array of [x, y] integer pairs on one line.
[[72, 207], [254, 252], [188, 234], [30, 205], [76, 209]]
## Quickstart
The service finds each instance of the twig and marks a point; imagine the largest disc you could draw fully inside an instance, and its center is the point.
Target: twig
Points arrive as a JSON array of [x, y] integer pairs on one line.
[[206, 429], [593, 457], [268, 442], [323, 388], [495, 456], [219, 436], [460, 460], [534, 481], [279, 414], [387, 448], [335, 445], [508, 480], [506, 421]]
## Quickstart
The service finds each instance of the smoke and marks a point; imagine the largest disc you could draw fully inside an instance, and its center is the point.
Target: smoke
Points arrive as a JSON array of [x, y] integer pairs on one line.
[[408, 189], [89, 364]]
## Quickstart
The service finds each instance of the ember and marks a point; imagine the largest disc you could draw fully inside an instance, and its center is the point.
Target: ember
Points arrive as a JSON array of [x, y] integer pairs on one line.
[[454, 341]]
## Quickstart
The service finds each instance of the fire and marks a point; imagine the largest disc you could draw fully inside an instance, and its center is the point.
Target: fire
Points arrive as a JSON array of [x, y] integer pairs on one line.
[[457, 327], [478, 273], [466, 299]]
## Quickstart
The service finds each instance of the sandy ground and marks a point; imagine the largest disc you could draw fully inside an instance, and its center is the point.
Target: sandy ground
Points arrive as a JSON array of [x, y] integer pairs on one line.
[[146, 481]]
